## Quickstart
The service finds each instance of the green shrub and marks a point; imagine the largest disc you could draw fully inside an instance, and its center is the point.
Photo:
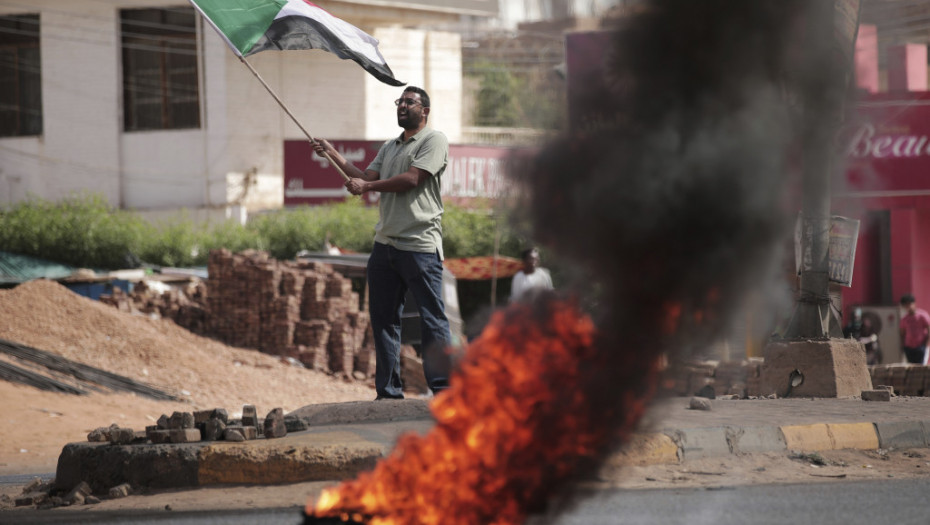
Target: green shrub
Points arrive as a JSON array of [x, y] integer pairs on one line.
[[79, 230]]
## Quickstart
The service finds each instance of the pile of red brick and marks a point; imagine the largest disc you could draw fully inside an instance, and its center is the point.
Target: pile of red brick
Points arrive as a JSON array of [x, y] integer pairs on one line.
[[302, 310]]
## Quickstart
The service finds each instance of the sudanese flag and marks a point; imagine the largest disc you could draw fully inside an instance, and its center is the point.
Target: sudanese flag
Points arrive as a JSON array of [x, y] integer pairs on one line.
[[250, 26]]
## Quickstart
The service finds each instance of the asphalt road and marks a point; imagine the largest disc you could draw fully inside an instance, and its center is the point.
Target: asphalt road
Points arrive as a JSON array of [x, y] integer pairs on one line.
[[902, 502]]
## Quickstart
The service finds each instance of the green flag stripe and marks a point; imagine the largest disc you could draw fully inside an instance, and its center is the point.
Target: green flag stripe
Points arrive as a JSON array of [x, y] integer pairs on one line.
[[241, 22]]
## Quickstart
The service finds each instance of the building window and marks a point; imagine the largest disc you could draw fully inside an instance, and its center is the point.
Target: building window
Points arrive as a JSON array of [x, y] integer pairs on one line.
[[160, 86], [20, 76]]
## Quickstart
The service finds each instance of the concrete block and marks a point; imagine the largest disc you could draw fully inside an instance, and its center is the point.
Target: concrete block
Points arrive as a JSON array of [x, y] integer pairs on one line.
[[748, 440], [701, 442], [859, 436], [901, 434], [831, 368], [807, 438]]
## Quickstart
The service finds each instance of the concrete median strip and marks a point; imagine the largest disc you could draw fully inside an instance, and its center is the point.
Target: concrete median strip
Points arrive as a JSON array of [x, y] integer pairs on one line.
[[331, 456]]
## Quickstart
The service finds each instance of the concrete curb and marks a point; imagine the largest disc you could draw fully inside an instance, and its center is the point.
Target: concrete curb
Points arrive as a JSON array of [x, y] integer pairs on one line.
[[708, 442], [347, 439]]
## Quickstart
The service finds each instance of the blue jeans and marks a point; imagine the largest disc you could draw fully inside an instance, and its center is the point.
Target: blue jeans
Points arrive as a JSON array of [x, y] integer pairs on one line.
[[391, 272]]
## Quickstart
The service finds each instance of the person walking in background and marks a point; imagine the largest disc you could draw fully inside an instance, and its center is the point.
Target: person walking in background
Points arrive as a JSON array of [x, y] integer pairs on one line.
[[407, 253], [863, 329], [915, 330], [531, 277]]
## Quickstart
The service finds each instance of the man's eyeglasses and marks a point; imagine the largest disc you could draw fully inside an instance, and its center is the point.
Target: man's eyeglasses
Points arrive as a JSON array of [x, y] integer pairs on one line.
[[409, 102]]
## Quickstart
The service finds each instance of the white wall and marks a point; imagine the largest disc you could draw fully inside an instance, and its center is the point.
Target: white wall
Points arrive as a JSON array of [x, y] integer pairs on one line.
[[83, 147], [78, 149]]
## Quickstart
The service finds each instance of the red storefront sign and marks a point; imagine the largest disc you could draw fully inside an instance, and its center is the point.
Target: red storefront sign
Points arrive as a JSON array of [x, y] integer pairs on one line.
[[473, 172], [887, 147]]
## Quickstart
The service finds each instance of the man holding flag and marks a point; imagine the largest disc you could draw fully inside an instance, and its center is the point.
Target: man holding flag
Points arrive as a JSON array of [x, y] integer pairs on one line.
[[407, 254]]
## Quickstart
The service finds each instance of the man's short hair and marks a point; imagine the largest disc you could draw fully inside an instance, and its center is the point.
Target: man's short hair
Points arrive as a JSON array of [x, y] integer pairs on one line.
[[526, 253], [907, 299], [424, 97]]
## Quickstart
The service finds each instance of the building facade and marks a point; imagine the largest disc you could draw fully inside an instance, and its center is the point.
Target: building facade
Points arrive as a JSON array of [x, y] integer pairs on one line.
[[142, 102]]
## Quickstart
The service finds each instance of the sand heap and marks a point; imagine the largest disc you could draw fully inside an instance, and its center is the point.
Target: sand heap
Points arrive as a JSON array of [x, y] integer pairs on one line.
[[205, 372]]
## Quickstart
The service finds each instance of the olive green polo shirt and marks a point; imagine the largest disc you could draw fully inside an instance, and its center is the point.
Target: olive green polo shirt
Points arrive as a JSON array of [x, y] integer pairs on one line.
[[412, 220]]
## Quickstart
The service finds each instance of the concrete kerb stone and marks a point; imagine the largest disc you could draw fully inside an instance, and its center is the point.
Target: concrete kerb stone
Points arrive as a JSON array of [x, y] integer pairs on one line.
[[902, 434], [699, 443], [859, 436], [750, 440], [645, 449], [807, 438]]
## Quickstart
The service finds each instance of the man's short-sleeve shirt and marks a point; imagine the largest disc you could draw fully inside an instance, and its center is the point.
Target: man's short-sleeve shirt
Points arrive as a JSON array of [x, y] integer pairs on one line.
[[412, 220], [915, 328]]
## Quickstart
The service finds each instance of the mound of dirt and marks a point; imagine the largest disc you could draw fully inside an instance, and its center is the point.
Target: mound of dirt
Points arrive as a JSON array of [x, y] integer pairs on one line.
[[203, 372]]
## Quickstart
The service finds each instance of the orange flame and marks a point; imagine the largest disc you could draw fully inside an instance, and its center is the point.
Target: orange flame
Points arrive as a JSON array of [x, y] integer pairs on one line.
[[513, 427]]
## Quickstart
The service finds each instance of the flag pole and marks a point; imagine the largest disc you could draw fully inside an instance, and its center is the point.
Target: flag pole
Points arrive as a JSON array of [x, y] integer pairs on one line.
[[281, 103]]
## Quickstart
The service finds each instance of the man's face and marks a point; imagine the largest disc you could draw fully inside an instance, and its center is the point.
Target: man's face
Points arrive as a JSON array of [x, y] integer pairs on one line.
[[531, 262], [910, 307], [410, 110]]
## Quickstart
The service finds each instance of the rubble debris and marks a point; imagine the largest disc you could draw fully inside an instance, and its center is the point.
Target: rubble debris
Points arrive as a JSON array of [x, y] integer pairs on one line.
[[101, 434], [78, 495], [31, 498], [699, 403]]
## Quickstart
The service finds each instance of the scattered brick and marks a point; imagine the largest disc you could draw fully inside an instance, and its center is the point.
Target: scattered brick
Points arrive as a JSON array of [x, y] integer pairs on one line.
[[31, 498], [249, 416], [122, 436], [876, 395], [234, 434], [77, 495], [120, 491], [214, 430], [184, 435], [179, 420], [160, 435], [274, 424]]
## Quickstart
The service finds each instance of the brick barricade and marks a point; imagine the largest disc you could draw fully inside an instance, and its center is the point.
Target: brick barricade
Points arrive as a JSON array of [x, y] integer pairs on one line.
[[302, 310]]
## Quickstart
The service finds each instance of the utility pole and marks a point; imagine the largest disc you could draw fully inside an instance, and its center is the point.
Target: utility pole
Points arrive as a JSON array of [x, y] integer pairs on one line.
[[821, 85], [812, 359]]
